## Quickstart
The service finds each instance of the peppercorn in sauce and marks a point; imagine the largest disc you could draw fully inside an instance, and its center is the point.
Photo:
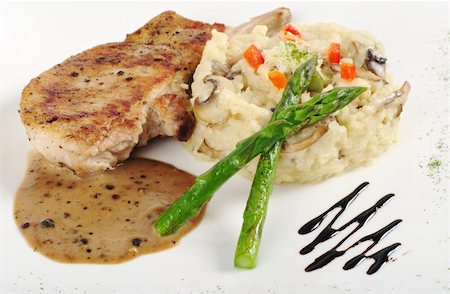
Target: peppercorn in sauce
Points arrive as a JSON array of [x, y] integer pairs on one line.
[[105, 217]]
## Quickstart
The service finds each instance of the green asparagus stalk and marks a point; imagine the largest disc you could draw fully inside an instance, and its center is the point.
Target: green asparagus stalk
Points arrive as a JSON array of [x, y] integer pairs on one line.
[[256, 209], [291, 120]]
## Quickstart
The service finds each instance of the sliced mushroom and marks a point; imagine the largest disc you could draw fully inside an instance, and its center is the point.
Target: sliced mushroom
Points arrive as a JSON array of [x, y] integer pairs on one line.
[[319, 131], [234, 71], [358, 51], [367, 58], [205, 148], [375, 63], [219, 68], [210, 113], [206, 107], [211, 84], [274, 20], [403, 91], [399, 110], [399, 95]]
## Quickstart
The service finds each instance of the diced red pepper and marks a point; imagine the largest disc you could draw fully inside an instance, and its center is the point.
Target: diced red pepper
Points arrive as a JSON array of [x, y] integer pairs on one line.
[[291, 29], [253, 56], [334, 53], [278, 79], [290, 33], [348, 71]]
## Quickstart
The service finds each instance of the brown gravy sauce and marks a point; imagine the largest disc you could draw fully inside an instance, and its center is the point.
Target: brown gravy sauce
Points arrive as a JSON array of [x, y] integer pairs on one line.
[[104, 217]]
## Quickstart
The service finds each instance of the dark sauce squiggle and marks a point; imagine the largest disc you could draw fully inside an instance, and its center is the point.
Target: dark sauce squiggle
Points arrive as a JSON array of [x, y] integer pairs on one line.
[[380, 257]]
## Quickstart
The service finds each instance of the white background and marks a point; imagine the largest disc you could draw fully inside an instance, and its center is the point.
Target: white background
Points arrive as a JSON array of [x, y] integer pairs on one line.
[[36, 36]]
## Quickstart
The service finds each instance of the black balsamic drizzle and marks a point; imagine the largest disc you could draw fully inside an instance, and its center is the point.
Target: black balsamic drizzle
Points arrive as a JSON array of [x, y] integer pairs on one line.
[[328, 232], [380, 257]]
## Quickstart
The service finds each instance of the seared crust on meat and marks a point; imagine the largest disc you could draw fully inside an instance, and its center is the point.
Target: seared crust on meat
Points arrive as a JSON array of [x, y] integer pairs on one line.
[[173, 30], [90, 111]]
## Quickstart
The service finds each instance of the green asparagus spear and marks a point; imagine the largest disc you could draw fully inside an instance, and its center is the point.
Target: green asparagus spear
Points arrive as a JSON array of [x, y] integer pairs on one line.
[[256, 209], [291, 120]]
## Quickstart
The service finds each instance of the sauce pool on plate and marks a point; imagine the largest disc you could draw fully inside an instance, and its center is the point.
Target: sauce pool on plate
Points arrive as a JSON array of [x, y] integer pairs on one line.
[[105, 217]]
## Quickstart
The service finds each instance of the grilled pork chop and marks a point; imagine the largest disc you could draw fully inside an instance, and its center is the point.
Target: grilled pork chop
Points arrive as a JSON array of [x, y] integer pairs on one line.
[[90, 111]]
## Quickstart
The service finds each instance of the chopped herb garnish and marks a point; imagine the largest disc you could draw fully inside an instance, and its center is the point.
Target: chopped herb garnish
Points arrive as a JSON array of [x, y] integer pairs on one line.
[[295, 54]]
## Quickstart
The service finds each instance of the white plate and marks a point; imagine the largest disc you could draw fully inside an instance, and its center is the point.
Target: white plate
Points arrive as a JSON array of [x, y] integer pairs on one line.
[[35, 36]]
